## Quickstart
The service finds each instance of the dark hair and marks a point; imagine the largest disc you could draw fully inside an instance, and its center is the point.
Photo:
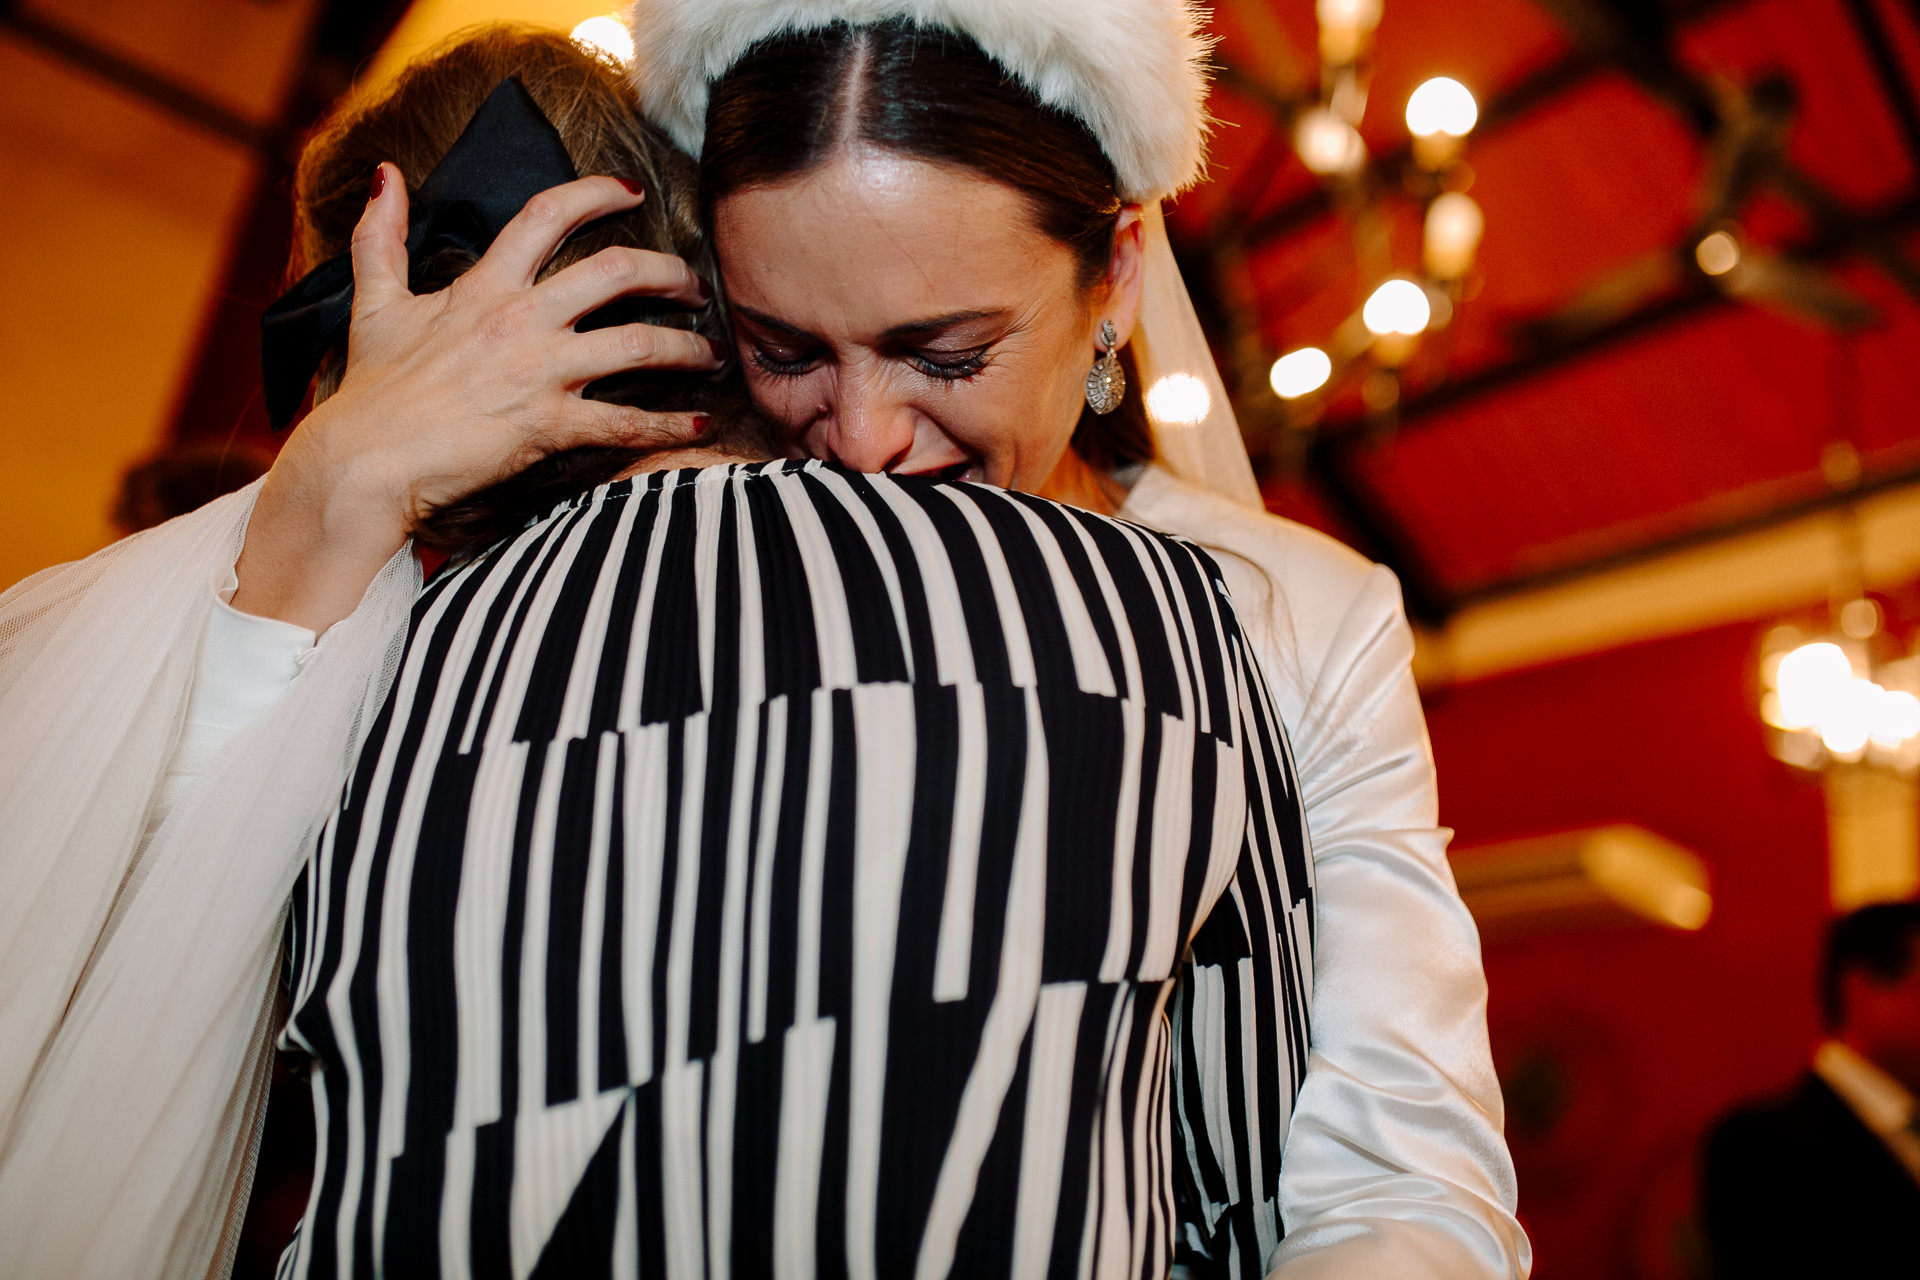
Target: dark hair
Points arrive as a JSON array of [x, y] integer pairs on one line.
[[414, 122], [791, 102], [182, 478], [1878, 940]]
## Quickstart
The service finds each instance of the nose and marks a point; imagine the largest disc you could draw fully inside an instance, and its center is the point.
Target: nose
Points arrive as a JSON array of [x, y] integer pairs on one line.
[[867, 427]]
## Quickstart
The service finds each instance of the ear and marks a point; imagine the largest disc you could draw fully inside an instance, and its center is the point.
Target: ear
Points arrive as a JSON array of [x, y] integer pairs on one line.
[[1118, 297]]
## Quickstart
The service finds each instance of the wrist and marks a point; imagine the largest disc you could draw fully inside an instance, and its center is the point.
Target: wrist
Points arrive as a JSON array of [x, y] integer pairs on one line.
[[315, 541]]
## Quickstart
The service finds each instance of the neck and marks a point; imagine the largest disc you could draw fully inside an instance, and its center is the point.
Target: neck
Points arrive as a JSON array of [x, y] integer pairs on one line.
[[688, 458], [1894, 1064], [1079, 485]]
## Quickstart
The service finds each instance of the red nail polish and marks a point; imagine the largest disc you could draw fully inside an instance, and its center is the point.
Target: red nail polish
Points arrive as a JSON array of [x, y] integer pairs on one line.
[[702, 424], [633, 185], [719, 349], [379, 182]]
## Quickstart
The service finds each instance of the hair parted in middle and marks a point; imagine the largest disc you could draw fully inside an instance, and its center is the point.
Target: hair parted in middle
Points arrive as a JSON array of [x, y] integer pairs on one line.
[[794, 101], [414, 121]]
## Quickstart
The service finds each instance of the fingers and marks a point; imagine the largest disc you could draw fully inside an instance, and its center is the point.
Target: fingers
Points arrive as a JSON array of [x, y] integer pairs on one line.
[[618, 273], [586, 356], [536, 232], [379, 246]]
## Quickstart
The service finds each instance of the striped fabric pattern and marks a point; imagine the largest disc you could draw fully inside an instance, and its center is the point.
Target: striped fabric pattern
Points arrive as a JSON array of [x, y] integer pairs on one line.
[[770, 870]]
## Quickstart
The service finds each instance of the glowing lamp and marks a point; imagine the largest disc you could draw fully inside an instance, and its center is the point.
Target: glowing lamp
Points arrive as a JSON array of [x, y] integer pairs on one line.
[[1440, 114], [1442, 105], [1346, 26], [1398, 306], [1453, 230], [1300, 373], [1808, 682], [1327, 144], [1179, 400], [606, 35], [1717, 253]]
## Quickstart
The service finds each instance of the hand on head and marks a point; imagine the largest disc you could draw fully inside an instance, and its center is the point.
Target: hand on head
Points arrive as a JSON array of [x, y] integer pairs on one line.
[[488, 371], [449, 392]]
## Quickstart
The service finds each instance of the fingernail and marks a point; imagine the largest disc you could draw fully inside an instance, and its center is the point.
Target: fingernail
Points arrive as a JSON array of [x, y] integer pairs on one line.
[[701, 424], [633, 185], [379, 182], [719, 349]]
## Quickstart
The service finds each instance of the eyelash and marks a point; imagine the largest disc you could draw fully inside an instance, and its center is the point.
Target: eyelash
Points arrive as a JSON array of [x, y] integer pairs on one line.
[[957, 371], [780, 368]]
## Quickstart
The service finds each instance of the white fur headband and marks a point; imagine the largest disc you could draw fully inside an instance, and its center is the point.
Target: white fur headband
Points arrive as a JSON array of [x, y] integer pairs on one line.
[[1133, 71]]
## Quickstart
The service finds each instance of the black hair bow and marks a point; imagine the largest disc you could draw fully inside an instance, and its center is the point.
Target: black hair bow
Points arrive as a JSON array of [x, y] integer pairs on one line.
[[509, 153]]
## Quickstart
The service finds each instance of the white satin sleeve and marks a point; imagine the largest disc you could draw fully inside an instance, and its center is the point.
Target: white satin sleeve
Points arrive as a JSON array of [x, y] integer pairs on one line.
[[1394, 1164]]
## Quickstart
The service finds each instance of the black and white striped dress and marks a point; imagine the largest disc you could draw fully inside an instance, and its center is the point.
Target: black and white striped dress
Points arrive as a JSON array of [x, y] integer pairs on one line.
[[770, 870]]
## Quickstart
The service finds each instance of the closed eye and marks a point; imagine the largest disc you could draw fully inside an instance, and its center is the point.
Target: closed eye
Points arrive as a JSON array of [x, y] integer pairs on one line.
[[949, 366], [769, 363]]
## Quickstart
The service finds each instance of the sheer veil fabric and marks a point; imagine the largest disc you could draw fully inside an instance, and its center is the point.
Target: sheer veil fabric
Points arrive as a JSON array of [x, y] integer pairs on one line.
[[1168, 341], [140, 947]]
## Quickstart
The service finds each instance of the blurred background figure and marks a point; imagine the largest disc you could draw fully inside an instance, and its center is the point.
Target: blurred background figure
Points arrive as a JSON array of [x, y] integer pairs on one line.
[[1826, 1180], [181, 479]]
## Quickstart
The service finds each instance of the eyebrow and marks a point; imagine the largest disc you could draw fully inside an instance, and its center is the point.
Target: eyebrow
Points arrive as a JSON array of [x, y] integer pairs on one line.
[[913, 329]]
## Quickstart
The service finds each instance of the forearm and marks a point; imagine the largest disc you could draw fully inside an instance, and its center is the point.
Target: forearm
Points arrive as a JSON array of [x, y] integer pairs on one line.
[[317, 537]]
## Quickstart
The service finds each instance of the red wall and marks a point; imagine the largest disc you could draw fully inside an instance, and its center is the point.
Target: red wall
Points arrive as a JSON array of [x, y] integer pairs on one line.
[[1618, 1047]]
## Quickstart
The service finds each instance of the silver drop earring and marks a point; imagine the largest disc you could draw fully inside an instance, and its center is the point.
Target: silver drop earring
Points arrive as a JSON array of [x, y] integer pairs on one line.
[[1106, 381]]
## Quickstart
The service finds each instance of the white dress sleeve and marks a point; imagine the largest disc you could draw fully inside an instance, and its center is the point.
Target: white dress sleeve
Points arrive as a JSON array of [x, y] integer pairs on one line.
[[1394, 1163], [246, 666], [143, 949]]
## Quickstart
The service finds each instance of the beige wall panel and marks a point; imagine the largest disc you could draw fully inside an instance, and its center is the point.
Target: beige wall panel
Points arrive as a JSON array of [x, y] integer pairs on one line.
[[240, 53], [1749, 576], [114, 223]]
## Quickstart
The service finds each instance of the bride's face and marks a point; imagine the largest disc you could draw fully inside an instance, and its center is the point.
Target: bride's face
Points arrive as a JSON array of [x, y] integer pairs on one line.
[[896, 315]]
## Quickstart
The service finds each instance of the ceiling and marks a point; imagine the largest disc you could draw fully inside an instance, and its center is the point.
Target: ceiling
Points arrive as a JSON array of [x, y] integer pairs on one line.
[[1525, 449]]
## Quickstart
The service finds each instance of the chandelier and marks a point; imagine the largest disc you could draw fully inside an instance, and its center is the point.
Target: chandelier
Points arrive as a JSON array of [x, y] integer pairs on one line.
[[1846, 696], [1375, 343]]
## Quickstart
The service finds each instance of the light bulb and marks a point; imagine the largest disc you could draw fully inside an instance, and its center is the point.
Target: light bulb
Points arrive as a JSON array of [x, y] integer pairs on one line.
[[1717, 253], [1346, 26], [1860, 618], [1300, 373], [1454, 227], [1848, 718], [1327, 144], [1180, 400], [1442, 105], [1809, 682], [1355, 15], [1895, 719], [1398, 306], [606, 35]]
